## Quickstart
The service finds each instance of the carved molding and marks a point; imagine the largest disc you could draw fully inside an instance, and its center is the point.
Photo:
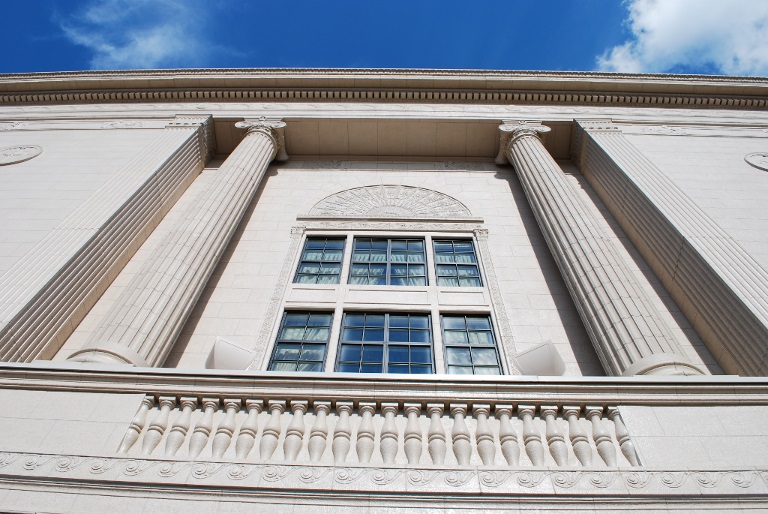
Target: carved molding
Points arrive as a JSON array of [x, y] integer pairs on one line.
[[757, 160], [178, 476], [17, 154], [270, 127], [390, 201]]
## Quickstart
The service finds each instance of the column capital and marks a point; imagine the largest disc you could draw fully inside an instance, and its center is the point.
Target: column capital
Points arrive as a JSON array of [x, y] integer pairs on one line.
[[511, 131], [270, 127]]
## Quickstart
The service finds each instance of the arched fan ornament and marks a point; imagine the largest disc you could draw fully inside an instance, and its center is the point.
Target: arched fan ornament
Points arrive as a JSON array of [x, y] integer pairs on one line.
[[390, 201]]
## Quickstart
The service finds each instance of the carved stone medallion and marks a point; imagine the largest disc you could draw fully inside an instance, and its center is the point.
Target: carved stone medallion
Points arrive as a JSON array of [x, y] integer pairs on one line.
[[390, 201], [758, 159], [17, 154]]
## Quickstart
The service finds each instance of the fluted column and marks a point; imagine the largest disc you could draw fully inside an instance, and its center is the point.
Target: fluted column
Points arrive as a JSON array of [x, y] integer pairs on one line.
[[142, 326], [719, 287], [44, 296], [624, 326]]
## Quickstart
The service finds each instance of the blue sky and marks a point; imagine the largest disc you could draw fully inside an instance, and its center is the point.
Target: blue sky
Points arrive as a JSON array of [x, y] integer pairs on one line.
[[677, 36]]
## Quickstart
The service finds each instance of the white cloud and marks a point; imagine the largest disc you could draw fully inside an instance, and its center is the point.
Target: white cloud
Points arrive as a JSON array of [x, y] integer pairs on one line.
[[140, 33], [711, 36]]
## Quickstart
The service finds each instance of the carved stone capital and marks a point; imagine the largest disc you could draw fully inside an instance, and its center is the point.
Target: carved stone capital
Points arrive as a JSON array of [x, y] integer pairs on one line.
[[272, 128], [511, 131]]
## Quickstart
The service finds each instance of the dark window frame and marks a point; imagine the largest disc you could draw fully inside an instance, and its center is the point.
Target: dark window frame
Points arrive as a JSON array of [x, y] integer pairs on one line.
[[386, 344], [456, 265], [388, 276], [288, 342], [469, 345], [305, 262]]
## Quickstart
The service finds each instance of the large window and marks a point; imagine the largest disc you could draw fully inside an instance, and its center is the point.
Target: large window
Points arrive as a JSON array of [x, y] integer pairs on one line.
[[320, 261], [301, 342], [396, 262], [456, 263], [386, 343], [470, 348]]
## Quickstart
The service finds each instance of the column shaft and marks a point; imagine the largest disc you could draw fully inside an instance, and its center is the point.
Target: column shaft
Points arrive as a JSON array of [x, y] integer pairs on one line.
[[693, 257], [623, 324], [50, 292], [142, 326]]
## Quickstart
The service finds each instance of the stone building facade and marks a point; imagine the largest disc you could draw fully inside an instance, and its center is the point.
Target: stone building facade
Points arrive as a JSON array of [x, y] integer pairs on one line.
[[330, 290]]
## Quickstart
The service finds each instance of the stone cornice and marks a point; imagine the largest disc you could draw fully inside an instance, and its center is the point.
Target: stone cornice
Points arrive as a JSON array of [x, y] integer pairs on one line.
[[437, 86], [711, 390]]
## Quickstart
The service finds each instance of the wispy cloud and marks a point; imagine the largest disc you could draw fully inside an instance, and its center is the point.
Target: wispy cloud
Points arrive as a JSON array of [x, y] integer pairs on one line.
[[714, 36], [141, 33]]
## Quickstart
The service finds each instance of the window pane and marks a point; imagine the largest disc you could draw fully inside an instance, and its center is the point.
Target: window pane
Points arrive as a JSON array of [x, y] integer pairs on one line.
[[398, 336], [349, 368], [484, 356], [317, 334], [354, 320], [332, 255], [447, 282], [421, 354], [399, 245], [419, 321], [443, 246], [469, 282], [306, 279], [398, 369], [373, 334], [373, 353], [310, 366], [398, 257], [334, 244], [398, 354], [287, 351], [370, 368], [292, 333], [350, 353], [420, 336], [374, 320], [458, 356], [296, 319], [445, 270], [459, 370], [480, 338], [455, 337], [454, 323], [309, 268], [415, 245], [319, 320], [421, 370], [463, 246], [417, 281], [478, 323], [313, 255], [379, 244], [399, 270], [415, 257], [398, 321], [283, 366], [352, 334]]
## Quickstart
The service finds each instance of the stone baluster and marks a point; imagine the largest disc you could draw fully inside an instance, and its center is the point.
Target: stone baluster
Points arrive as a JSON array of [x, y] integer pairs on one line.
[[226, 428], [437, 446], [484, 438], [601, 436], [389, 435], [158, 425], [342, 433], [579, 438], [248, 430], [203, 428], [625, 327], [294, 434], [136, 426], [622, 436], [143, 324], [365, 432], [531, 437], [318, 436], [462, 448], [555, 439], [272, 430], [180, 427], [412, 438], [510, 447]]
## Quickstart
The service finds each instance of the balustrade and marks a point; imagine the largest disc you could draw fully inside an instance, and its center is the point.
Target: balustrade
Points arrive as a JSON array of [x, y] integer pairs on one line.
[[400, 433]]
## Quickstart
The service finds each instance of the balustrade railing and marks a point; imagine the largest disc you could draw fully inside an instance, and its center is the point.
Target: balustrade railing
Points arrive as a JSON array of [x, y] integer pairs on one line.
[[402, 433]]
